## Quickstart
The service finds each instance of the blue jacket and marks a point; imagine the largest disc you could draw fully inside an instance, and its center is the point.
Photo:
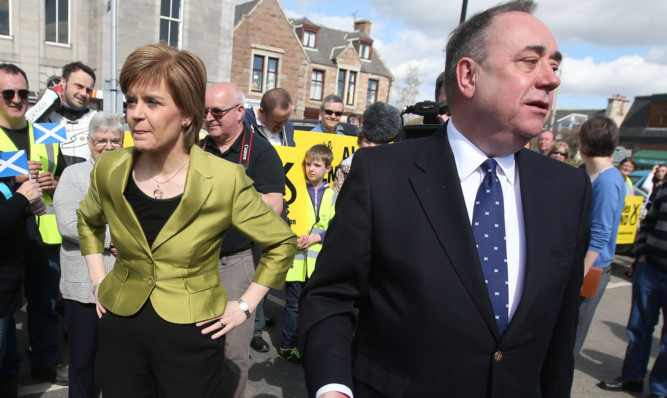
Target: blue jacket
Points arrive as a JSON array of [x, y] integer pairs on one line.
[[251, 122]]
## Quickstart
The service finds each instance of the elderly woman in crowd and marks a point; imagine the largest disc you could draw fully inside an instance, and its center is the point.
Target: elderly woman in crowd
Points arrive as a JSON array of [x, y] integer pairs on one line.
[[560, 151], [105, 134], [382, 125], [164, 312]]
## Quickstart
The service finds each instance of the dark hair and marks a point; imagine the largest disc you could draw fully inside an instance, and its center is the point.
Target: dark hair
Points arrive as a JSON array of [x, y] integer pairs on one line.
[[75, 66], [13, 70], [628, 160], [382, 123], [332, 98], [469, 39], [275, 98], [183, 74], [439, 83], [351, 117], [320, 152], [598, 137]]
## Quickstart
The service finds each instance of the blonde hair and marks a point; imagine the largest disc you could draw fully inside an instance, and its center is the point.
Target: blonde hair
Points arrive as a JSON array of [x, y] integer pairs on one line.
[[183, 73]]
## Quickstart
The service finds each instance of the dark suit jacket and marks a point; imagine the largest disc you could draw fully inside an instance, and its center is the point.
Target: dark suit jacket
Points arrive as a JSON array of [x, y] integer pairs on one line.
[[402, 252]]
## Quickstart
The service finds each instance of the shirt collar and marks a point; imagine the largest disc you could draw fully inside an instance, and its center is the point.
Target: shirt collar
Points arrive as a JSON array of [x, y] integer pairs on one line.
[[468, 157]]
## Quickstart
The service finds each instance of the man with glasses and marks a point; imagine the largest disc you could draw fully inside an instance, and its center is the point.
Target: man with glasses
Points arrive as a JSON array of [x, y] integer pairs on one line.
[[330, 114], [270, 120], [42, 276], [229, 138], [76, 86]]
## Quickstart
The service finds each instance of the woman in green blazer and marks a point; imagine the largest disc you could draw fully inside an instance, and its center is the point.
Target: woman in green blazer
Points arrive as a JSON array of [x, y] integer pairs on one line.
[[168, 204]]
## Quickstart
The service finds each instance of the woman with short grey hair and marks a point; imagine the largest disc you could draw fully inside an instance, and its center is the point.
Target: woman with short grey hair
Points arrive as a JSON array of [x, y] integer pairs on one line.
[[105, 134]]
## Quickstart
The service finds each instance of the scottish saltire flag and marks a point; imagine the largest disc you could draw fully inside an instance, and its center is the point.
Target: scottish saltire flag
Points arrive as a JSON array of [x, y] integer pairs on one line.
[[13, 163], [49, 133]]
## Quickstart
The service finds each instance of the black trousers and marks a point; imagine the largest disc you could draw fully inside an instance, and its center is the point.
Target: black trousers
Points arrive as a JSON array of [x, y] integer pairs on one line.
[[145, 356], [82, 324]]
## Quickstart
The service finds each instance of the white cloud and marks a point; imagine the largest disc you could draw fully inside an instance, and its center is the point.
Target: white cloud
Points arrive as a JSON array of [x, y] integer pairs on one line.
[[629, 75]]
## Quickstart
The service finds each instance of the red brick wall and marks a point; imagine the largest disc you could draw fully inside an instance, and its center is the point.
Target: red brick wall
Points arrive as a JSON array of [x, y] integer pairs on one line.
[[267, 25]]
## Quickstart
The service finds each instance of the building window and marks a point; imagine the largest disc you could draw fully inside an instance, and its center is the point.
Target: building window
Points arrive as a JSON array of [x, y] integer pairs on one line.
[[658, 115], [351, 88], [372, 94], [264, 73], [316, 85], [365, 51], [170, 22], [309, 39], [56, 21], [5, 18], [341, 82]]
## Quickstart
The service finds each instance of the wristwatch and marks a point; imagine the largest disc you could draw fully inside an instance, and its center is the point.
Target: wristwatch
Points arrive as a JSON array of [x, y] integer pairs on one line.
[[244, 307]]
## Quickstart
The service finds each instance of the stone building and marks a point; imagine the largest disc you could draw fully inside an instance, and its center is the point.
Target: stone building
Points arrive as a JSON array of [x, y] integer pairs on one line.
[[41, 36]]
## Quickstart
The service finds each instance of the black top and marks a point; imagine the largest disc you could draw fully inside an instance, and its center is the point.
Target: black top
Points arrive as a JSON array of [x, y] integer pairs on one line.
[[21, 139], [151, 213], [264, 167]]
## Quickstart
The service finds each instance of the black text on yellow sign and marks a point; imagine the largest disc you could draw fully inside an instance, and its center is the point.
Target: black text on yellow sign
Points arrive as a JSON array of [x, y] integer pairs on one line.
[[627, 229]]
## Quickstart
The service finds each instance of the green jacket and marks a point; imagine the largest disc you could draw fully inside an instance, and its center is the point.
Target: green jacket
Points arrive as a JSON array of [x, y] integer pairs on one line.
[[179, 273]]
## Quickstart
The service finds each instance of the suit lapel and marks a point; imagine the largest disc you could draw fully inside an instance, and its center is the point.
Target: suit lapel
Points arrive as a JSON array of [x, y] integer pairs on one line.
[[436, 184], [198, 186], [119, 177]]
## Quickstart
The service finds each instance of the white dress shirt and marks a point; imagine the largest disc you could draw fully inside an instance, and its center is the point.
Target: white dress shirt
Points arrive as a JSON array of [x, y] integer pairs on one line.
[[468, 159]]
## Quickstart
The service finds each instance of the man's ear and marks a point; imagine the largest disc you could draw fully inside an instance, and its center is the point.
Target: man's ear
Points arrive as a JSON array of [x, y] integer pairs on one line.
[[329, 169], [466, 76]]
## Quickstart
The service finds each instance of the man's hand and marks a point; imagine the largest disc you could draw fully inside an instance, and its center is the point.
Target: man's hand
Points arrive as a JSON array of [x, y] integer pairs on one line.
[[304, 241], [31, 190], [34, 167], [47, 182]]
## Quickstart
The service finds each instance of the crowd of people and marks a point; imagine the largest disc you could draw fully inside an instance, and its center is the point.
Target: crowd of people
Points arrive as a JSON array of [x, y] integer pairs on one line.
[[163, 252]]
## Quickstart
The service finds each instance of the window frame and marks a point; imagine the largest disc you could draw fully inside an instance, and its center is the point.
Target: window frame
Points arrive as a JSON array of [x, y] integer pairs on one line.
[[350, 85], [9, 22], [657, 114], [68, 43], [267, 54], [369, 47], [375, 91], [309, 32], [313, 83], [169, 19]]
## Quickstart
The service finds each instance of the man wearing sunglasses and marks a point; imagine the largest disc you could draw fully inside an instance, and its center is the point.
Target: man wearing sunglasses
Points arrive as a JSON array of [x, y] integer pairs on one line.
[[229, 138], [330, 114], [42, 256]]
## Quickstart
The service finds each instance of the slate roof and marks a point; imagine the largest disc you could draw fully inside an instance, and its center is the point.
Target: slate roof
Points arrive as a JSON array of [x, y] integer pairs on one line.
[[634, 127], [243, 9], [331, 42]]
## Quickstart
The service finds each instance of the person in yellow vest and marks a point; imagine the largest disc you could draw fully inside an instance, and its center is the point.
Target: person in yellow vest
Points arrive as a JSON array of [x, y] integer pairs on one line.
[[42, 276], [317, 164]]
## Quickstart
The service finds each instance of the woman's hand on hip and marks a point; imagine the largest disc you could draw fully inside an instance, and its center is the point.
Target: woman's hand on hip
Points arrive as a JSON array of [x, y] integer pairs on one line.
[[232, 318]]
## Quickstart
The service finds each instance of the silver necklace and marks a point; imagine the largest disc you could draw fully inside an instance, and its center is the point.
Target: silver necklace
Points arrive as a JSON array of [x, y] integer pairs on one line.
[[158, 192]]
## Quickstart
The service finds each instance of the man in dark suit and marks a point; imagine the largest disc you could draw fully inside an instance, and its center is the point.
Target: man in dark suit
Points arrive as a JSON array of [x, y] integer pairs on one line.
[[401, 302]]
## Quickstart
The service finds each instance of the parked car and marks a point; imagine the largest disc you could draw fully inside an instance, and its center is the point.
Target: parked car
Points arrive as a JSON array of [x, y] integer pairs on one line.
[[638, 178]]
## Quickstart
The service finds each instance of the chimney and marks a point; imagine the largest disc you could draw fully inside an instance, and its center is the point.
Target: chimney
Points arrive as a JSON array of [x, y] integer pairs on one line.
[[363, 25], [617, 108]]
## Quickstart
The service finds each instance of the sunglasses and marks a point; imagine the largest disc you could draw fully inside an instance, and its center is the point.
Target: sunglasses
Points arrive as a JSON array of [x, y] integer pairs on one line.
[[559, 153], [217, 112], [330, 112], [8, 95], [102, 142]]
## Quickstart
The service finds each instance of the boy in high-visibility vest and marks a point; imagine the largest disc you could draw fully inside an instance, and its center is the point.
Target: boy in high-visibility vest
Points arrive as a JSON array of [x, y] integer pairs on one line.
[[317, 164]]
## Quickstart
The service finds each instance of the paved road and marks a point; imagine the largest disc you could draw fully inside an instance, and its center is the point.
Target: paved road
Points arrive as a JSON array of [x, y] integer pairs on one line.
[[602, 354]]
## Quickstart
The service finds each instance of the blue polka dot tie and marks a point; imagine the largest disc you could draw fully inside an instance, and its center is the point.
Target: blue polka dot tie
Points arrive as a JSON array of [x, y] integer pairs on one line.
[[488, 226]]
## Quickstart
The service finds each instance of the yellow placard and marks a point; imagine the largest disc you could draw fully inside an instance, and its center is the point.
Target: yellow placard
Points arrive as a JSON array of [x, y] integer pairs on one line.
[[296, 193], [627, 229]]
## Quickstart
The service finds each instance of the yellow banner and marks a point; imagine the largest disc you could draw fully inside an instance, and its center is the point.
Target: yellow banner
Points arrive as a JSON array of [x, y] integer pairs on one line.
[[296, 194], [627, 229]]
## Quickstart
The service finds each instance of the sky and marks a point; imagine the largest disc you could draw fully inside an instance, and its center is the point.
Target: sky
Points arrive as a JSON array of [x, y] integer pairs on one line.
[[610, 46]]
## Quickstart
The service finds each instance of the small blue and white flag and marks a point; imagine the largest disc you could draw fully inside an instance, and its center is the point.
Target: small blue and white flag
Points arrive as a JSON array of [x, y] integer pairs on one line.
[[13, 163], [49, 133]]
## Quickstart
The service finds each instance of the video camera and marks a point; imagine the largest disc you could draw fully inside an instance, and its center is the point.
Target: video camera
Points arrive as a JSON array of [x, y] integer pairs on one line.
[[429, 110]]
